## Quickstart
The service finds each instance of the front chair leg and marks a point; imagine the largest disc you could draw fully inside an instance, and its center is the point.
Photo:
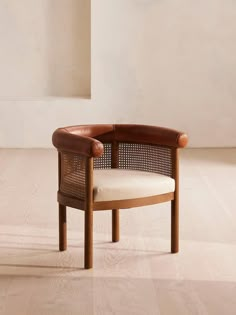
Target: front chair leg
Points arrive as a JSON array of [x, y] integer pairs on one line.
[[88, 239], [115, 225], [174, 226], [62, 228]]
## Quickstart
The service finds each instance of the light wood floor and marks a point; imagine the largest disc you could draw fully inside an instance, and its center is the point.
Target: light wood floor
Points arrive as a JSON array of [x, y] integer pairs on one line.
[[138, 275]]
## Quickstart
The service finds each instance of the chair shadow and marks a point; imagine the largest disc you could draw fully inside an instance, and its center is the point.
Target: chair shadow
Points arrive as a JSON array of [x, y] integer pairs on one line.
[[30, 249], [40, 266], [156, 252], [25, 235]]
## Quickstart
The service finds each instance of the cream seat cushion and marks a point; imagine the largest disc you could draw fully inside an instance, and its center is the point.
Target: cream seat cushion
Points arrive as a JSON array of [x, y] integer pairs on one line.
[[121, 184]]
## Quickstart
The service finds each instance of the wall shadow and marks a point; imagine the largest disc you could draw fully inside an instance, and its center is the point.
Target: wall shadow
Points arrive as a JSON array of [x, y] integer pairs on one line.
[[69, 48]]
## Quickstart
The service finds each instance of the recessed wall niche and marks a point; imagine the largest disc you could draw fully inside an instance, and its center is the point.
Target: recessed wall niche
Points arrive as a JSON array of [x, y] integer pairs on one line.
[[45, 48]]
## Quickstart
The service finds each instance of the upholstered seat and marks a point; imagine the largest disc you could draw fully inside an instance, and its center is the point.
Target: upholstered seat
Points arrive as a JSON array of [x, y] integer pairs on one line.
[[117, 184], [113, 167]]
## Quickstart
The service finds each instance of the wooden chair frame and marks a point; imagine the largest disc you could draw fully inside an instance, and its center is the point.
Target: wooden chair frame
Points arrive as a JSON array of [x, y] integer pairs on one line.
[[79, 146]]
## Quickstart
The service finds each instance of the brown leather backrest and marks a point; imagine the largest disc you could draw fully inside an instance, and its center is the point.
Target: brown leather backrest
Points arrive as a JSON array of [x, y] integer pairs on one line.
[[151, 135], [88, 139]]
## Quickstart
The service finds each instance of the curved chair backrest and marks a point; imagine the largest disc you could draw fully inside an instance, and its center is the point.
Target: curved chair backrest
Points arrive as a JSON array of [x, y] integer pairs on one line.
[[128, 133]]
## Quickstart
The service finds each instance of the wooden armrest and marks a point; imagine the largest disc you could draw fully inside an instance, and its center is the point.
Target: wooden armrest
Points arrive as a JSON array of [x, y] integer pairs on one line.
[[83, 145], [151, 135]]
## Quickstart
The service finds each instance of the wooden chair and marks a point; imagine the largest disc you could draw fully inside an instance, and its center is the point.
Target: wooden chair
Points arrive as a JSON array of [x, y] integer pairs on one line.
[[112, 167]]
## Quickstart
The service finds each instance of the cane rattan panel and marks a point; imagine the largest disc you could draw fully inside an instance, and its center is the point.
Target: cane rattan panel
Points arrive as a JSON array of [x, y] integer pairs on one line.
[[145, 157], [104, 161], [73, 175]]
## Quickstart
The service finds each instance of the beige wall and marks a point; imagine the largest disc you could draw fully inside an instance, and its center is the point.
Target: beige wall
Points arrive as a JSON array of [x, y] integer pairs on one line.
[[45, 48], [161, 62]]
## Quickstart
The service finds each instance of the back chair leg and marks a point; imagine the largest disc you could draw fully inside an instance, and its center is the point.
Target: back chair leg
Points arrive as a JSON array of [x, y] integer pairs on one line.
[[62, 228], [115, 225], [174, 226], [88, 239]]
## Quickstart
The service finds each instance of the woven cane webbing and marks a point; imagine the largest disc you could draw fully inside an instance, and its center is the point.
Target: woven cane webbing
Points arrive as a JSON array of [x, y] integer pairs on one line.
[[104, 161], [134, 156], [73, 175], [145, 157]]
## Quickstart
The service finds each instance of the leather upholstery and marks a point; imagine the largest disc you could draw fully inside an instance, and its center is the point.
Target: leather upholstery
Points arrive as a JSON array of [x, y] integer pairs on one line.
[[87, 139], [71, 142], [151, 135]]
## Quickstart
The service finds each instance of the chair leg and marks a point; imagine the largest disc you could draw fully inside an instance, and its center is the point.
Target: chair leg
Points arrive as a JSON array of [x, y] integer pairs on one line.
[[62, 228], [115, 225], [88, 239], [174, 226]]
